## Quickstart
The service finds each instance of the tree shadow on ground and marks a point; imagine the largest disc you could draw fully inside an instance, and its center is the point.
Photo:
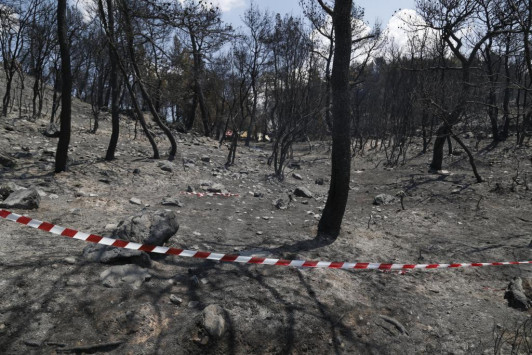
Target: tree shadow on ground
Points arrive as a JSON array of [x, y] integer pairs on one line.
[[489, 147]]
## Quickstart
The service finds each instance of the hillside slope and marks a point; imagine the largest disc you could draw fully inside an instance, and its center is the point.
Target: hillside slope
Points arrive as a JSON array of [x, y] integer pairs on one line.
[[55, 300]]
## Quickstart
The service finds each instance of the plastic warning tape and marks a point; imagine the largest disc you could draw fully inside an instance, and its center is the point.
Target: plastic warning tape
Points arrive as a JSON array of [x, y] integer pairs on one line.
[[203, 194], [74, 234]]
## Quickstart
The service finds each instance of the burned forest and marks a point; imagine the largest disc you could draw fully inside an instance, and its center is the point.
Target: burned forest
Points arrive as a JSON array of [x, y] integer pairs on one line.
[[174, 180]]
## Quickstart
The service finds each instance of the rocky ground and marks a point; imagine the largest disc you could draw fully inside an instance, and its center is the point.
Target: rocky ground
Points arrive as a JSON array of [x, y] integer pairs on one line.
[[60, 295]]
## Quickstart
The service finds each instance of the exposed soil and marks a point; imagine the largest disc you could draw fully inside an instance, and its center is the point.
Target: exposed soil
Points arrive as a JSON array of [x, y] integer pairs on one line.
[[53, 301]]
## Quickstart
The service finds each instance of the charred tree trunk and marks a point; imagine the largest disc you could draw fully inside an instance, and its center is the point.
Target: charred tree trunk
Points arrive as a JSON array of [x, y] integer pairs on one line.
[[191, 113], [333, 213], [253, 111], [507, 92], [66, 89], [7, 96], [113, 82], [198, 89], [37, 96], [441, 137]]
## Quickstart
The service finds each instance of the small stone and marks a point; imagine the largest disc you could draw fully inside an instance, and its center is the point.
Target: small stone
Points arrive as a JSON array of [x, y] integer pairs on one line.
[[217, 188], [319, 181], [52, 131], [166, 166], [214, 320], [302, 191], [383, 199], [206, 159], [171, 201], [111, 255], [70, 260], [80, 193], [258, 194], [294, 165], [280, 204], [260, 233], [205, 183], [110, 226], [297, 176], [193, 304], [118, 275], [194, 280], [176, 300], [135, 201], [136, 171], [6, 161]]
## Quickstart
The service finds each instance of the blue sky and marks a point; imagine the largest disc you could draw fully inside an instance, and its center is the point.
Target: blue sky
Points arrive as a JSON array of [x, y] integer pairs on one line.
[[375, 9]]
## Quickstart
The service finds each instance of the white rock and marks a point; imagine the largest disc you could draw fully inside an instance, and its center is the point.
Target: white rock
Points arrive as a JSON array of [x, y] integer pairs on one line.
[[135, 201]]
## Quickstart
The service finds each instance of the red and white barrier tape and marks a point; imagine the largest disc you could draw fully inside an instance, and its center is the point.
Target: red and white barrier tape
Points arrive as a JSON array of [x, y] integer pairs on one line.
[[71, 233], [203, 194]]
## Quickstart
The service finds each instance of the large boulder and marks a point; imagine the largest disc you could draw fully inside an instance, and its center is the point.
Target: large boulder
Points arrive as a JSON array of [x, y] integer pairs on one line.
[[28, 199], [154, 228]]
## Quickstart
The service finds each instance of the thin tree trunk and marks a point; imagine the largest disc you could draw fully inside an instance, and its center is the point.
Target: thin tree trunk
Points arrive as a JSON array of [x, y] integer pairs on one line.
[[506, 99], [130, 89], [145, 95], [253, 113], [7, 96], [113, 82], [470, 156], [192, 113]]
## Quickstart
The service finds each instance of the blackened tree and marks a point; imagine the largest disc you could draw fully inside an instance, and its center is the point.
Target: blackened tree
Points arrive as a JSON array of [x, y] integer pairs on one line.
[[333, 213], [61, 155]]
